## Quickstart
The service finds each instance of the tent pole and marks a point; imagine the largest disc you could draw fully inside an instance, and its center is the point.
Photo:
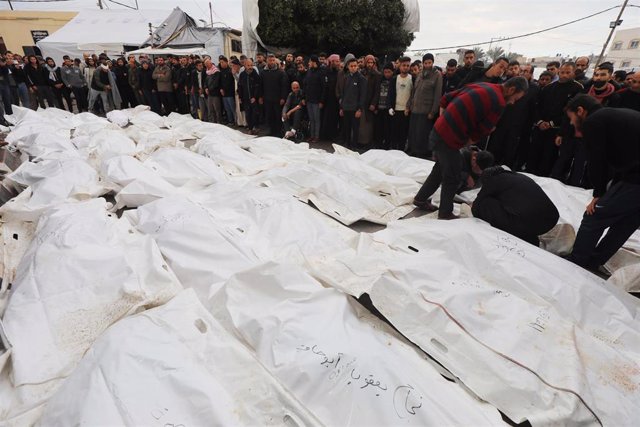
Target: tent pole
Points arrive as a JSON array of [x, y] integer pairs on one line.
[[11, 6], [100, 4], [211, 15]]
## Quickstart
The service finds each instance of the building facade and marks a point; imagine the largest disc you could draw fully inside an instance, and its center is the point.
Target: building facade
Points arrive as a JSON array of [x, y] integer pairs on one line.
[[624, 52], [20, 30]]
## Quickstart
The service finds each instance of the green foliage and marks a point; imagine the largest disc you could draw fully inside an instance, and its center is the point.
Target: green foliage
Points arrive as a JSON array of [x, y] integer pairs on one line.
[[495, 53], [356, 26]]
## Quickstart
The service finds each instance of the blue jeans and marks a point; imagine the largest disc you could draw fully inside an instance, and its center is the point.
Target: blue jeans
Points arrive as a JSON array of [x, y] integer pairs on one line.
[[313, 109], [23, 93], [230, 108]]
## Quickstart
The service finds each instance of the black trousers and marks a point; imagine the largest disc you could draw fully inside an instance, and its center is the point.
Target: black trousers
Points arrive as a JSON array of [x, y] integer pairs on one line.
[[399, 131], [60, 93], [273, 117], [446, 171], [543, 153], [183, 101], [619, 211], [350, 129], [82, 97], [493, 211], [382, 130], [251, 113], [570, 167], [166, 100]]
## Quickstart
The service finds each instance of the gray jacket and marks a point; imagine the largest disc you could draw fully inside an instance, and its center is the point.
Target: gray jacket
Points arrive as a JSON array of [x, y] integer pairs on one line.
[[162, 75], [72, 76], [354, 94], [426, 93]]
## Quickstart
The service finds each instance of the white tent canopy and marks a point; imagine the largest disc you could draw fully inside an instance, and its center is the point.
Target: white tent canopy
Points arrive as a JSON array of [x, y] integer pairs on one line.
[[169, 51], [101, 31]]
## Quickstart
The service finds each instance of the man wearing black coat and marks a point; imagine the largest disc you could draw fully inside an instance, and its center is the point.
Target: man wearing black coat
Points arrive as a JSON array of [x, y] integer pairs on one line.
[[314, 82], [250, 94], [275, 89], [514, 203], [612, 143], [330, 113]]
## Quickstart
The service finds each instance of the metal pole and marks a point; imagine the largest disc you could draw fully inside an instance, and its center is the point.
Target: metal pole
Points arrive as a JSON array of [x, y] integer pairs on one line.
[[211, 14], [10, 5], [137, 5], [100, 4], [613, 29]]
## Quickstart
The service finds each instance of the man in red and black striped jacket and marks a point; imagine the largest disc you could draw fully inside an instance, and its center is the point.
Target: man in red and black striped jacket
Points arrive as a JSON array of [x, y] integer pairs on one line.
[[466, 116]]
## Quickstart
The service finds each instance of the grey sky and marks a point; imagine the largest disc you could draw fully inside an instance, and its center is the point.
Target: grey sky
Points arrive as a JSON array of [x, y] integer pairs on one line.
[[449, 22]]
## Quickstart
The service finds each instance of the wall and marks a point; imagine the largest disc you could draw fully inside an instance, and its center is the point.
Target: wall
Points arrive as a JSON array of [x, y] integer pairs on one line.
[[16, 26], [620, 51]]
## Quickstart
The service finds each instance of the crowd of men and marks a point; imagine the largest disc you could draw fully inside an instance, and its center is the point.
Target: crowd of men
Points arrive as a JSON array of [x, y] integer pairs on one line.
[[507, 116]]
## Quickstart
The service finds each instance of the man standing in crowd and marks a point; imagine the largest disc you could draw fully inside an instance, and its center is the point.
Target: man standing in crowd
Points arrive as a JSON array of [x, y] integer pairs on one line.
[[162, 75], [629, 97], [582, 64], [612, 141], [551, 122], [212, 90], [313, 91], [468, 59], [74, 81], [600, 88], [514, 203], [492, 74], [553, 68], [54, 78], [104, 84], [382, 120], [450, 80], [227, 90], [352, 103], [199, 91], [424, 104], [148, 87], [466, 116], [274, 91], [250, 91], [373, 77], [330, 116], [181, 85], [399, 93]]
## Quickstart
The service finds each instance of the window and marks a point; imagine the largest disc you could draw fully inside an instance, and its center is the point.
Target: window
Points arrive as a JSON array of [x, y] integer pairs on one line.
[[236, 45], [617, 46], [633, 44], [625, 64]]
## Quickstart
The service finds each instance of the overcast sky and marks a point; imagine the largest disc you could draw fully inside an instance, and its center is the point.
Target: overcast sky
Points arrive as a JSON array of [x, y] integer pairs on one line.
[[448, 22]]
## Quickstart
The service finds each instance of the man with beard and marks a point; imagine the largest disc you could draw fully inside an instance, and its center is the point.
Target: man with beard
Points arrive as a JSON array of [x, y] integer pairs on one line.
[[466, 116], [612, 141], [582, 64], [424, 104], [275, 89], [601, 89], [314, 90], [373, 77], [629, 97], [330, 117], [54, 76], [552, 124], [468, 59], [399, 94]]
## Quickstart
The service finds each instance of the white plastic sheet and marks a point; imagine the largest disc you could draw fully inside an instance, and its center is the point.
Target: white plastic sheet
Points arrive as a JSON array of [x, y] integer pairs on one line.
[[83, 271], [334, 195], [345, 365], [531, 333], [172, 365], [50, 183]]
